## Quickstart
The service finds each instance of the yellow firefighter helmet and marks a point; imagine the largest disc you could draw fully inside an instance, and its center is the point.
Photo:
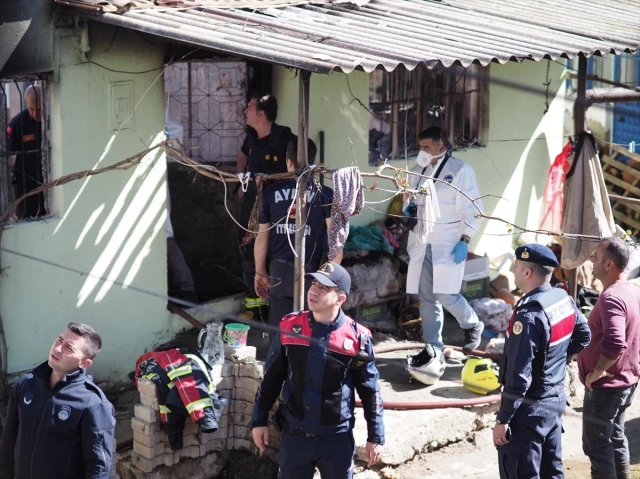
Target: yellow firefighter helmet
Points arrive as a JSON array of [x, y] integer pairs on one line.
[[480, 375]]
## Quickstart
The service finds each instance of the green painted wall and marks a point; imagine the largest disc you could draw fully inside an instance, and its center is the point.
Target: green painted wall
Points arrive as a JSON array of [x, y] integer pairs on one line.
[[515, 170], [111, 225]]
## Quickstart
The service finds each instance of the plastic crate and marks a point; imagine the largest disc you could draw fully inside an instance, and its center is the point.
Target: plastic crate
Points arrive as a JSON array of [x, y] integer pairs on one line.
[[372, 313], [475, 282]]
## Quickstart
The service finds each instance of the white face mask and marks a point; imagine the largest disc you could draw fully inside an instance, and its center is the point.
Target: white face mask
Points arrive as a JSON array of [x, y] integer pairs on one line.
[[424, 158]]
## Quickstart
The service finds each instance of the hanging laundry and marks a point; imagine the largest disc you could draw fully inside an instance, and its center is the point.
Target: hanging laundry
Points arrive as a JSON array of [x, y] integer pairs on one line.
[[348, 200], [428, 210], [587, 209]]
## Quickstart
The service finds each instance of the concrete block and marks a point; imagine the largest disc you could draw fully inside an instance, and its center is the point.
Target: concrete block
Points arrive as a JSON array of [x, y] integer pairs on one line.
[[149, 401], [190, 440], [239, 354], [144, 427], [250, 370], [225, 393], [246, 382], [247, 395], [224, 421], [147, 387], [224, 383], [241, 432], [186, 452], [211, 446], [146, 413], [221, 433], [149, 440], [244, 445], [241, 419], [241, 406], [150, 452], [190, 427], [148, 465]]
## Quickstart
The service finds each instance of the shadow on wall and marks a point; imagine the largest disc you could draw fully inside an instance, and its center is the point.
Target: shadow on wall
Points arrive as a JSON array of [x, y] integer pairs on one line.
[[123, 234], [534, 177]]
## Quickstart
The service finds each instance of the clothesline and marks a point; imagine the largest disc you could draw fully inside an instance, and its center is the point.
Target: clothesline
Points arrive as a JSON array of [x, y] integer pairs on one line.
[[401, 183]]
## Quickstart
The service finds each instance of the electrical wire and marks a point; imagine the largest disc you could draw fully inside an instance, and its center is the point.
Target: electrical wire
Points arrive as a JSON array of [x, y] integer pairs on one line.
[[89, 62]]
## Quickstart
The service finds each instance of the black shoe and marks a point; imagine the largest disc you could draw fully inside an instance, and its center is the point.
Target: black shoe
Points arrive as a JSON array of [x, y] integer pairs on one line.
[[472, 337], [422, 358]]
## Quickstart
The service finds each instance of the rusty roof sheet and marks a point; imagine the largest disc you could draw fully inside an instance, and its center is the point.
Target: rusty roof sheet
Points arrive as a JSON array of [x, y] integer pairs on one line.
[[387, 33]]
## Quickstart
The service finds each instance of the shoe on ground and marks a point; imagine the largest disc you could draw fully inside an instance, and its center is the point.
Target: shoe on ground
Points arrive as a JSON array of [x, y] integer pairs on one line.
[[473, 337]]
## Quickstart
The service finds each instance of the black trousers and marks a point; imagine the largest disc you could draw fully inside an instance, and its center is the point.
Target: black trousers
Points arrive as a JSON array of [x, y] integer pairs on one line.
[[332, 455]]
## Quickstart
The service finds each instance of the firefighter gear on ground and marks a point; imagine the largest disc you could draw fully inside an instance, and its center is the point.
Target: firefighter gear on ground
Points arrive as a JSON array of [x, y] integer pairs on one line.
[[185, 388], [480, 375]]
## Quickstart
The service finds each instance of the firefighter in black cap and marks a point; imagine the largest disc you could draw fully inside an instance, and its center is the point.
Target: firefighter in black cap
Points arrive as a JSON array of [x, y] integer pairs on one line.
[[546, 330]]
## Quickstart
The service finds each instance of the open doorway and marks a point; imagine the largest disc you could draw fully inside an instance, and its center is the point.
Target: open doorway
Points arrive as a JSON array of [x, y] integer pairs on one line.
[[205, 102]]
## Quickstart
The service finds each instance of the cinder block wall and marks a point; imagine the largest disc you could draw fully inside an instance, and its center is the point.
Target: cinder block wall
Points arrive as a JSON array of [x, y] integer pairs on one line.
[[238, 383]]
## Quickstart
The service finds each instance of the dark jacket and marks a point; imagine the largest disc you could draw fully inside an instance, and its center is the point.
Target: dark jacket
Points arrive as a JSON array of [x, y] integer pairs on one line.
[[60, 433], [545, 329], [320, 376]]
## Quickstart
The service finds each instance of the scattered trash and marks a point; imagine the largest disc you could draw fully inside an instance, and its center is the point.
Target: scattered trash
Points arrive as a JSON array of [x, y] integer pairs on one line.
[[494, 313]]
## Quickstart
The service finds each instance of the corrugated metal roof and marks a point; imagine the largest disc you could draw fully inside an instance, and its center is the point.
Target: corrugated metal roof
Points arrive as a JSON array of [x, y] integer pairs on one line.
[[387, 33]]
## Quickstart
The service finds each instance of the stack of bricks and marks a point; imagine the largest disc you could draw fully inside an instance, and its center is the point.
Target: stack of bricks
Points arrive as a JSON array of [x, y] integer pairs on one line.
[[247, 379], [237, 382], [151, 445]]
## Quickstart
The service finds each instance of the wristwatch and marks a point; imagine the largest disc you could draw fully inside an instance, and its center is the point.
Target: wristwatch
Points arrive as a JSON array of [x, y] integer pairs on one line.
[[465, 239]]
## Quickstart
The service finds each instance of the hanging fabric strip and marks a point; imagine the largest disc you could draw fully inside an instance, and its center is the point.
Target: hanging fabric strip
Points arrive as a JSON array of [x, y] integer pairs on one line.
[[348, 200]]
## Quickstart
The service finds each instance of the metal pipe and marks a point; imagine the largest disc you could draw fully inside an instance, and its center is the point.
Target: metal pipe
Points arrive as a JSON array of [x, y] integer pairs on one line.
[[406, 346], [446, 403], [579, 119], [301, 196], [604, 95]]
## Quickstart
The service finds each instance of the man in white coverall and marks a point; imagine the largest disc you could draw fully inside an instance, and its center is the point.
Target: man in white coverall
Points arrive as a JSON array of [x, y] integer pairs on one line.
[[436, 266]]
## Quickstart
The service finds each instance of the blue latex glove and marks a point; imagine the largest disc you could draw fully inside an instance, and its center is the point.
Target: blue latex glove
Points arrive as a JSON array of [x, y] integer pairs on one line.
[[459, 252], [407, 211]]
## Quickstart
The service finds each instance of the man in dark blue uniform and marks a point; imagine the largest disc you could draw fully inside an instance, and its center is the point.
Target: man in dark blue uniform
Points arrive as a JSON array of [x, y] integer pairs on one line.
[[546, 330], [277, 235], [59, 424], [263, 152], [320, 356], [24, 141]]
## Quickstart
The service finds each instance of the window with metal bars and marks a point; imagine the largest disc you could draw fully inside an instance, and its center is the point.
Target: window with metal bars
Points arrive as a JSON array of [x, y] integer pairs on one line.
[[24, 149], [403, 103]]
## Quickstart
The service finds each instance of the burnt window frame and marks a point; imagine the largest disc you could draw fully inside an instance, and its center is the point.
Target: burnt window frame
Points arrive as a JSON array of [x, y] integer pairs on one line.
[[431, 96]]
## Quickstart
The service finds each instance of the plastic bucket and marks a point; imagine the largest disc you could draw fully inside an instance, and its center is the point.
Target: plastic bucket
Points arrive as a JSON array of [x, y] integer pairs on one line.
[[235, 334]]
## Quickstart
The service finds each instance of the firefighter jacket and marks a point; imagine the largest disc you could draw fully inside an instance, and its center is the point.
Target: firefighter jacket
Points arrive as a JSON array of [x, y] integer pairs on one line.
[[545, 329], [185, 388], [320, 365]]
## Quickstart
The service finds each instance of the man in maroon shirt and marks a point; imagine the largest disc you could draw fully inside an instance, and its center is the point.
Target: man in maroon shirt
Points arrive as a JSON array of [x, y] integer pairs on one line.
[[609, 366]]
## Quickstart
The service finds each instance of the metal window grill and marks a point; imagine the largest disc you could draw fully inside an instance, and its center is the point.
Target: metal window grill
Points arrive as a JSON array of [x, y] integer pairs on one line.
[[24, 148]]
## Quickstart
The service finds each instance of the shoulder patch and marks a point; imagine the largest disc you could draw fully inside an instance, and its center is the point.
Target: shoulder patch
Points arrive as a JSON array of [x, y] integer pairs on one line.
[[517, 327]]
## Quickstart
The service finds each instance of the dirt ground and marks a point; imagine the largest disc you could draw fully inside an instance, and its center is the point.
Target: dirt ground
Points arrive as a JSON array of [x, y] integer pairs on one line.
[[476, 457], [472, 457]]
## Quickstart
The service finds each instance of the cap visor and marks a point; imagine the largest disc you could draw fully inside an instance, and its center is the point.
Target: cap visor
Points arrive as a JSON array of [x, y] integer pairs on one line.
[[322, 279]]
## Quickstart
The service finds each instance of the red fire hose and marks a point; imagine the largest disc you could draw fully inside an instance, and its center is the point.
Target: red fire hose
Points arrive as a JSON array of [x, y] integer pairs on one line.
[[446, 403]]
